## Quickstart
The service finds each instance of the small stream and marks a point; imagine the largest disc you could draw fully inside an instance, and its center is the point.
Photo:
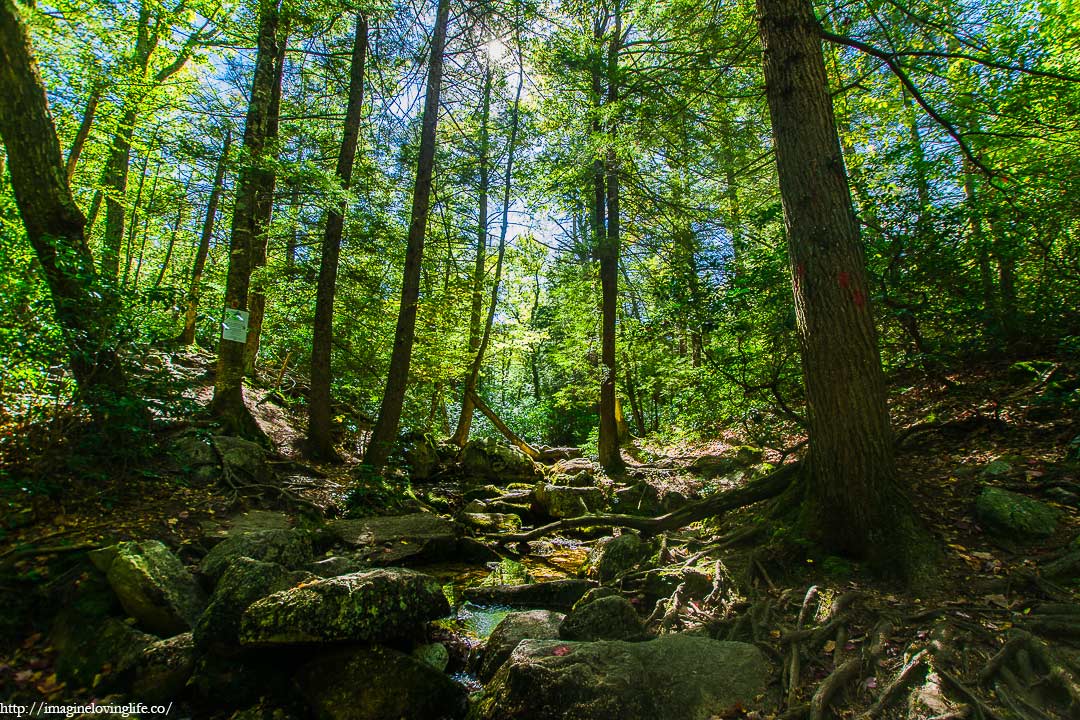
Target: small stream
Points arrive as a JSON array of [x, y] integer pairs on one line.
[[472, 623]]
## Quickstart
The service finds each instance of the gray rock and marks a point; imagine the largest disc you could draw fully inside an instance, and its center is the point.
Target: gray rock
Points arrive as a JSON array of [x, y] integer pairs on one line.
[[573, 466], [675, 677], [337, 565], [606, 618], [553, 595], [289, 548], [618, 556], [511, 630], [1013, 516], [152, 584], [662, 582], [365, 606], [243, 583], [164, 669], [378, 684], [560, 501], [196, 458], [393, 539], [243, 458]]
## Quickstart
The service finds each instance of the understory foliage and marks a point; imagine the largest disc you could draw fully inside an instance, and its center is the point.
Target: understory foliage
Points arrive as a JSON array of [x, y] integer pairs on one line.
[[957, 120]]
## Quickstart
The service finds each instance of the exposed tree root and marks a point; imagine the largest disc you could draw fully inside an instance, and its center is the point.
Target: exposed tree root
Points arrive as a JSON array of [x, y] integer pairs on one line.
[[767, 487]]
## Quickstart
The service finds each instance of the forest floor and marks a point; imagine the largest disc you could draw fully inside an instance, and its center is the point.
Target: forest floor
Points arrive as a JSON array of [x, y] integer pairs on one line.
[[997, 637]]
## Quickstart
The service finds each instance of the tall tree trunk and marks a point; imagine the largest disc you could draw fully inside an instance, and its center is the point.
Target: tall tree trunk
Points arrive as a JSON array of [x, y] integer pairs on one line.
[[293, 239], [54, 224], [608, 255], [320, 442], [253, 182], [461, 434], [384, 434], [83, 133], [187, 336], [982, 250], [852, 503], [264, 205]]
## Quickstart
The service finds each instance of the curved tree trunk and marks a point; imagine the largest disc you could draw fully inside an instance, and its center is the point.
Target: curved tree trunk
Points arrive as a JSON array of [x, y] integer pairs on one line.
[[853, 504], [54, 224], [320, 443], [385, 431], [253, 182]]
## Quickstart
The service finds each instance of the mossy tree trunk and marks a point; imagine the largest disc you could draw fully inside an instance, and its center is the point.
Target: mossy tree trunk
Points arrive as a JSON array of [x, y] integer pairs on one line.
[[54, 224]]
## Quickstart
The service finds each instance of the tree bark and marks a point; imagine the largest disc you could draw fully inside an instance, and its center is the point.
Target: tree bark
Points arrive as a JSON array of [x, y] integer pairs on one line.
[[852, 503], [187, 336], [54, 224], [247, 226], [608, 255], [320, 442], [384, 434], [264, 205]]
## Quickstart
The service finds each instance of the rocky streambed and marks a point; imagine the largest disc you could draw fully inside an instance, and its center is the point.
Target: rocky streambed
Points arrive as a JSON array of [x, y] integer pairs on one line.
[[407, 616]]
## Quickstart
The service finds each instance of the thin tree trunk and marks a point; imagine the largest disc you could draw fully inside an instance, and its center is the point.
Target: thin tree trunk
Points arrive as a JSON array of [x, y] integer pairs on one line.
[[293, 239], [252, 184], [852, 503], [54, 224], [320, 442], [187, 336], [461, 434], [145, 228], [384, 434], [264, 205], [982, 251], [83, 133], [635, 404], [180, 207], [608, 253]]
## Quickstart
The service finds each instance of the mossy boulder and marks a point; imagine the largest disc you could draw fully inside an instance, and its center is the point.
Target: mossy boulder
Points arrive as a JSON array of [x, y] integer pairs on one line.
[[434, 655], [618, 555], [102, 655], [365, 606], [1013, 516], [491, 522], [152, 585], [606, 618], [662, 582], [675, 677], [290, 548], [378, 683], [561, 501], [164, 669], [243, 583], [511, 630], [488, 459], [551, 595]]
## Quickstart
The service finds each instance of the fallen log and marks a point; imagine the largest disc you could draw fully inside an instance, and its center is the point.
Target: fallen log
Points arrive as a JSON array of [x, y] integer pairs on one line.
[[767, 487]]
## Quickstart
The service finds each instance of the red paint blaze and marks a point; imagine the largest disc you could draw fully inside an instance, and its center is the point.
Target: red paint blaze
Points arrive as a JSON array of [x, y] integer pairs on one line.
[[859, 298], [844, 279]]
